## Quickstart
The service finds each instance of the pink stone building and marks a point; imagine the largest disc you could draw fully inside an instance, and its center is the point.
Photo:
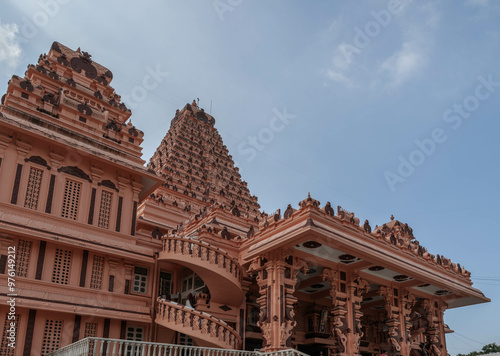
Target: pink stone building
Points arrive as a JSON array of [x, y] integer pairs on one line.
[[178, 252]]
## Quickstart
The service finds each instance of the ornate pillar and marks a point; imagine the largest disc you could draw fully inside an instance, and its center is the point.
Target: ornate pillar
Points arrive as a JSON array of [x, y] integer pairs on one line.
[[433, 335], [406, 308], [276, 277], [357, 287], [339, 326], [346, 311], [394, 331]]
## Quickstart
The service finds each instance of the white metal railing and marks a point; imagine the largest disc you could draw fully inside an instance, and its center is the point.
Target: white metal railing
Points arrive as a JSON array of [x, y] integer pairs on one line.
[[94, 346]]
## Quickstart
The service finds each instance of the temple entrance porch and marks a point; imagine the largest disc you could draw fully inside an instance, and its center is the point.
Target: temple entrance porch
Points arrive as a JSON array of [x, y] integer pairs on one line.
[[326, 286]]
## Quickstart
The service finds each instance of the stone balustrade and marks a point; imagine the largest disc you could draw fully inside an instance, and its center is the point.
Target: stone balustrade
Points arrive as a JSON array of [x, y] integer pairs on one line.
[[205, 252], [197, 324]]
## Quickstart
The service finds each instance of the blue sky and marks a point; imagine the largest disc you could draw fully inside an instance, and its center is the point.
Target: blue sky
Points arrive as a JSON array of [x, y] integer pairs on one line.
[[379, 108]]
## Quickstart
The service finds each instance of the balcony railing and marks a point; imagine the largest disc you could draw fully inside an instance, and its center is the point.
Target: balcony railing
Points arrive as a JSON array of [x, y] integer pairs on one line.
[[197, 324], [93, 346], [202, 250]]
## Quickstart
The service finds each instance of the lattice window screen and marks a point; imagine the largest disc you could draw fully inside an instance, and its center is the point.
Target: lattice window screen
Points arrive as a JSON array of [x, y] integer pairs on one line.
[[5, 350], [71, 199], [97, 270], [90, 330], [62, 263], [23, 254], [33, 188], [105, 209], [51, 336]]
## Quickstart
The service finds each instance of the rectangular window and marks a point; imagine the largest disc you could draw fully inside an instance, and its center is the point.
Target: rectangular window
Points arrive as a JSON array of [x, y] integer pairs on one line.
[[105, 209], [185, 340], [33, 189], [135, 333], [97, 269], [62, 263], [71, 199], [140, 280], [165, 285], [23, 254], [51, 336]]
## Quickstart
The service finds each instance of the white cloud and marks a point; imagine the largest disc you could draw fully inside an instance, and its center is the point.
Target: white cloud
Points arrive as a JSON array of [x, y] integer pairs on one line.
[[477, 2], [339, 77], [10, 50], [400, 62], [404, 63]]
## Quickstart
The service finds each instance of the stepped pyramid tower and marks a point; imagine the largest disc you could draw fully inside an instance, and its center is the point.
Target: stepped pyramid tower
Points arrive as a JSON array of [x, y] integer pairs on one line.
[[198, 169], [102, 246]]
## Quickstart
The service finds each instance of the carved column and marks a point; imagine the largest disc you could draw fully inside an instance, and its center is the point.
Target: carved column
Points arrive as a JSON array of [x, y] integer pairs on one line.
[[339, 324], [357, 287], [433, 336], [128, 277], [394, 332], [276, 277], [406, 306]]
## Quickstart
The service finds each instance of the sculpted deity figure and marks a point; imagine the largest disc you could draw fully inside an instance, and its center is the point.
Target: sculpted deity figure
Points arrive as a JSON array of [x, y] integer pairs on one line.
[[339, 335], [393, 339]]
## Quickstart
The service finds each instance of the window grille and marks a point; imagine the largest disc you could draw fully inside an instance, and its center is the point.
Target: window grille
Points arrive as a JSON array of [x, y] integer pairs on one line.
[[23, 254], [165, 284], [71, 199], [140, 280], [97, 269], [134, 333], [51, 336], [33, 188], [105, 209], [62, 263], [185, 340], [90, 330]]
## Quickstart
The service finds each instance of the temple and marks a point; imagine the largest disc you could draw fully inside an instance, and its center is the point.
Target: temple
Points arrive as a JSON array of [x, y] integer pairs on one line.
[[97, 243]]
